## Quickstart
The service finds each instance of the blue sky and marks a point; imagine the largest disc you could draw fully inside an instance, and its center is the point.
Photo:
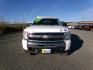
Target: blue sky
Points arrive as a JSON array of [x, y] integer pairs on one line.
[[65, 10]]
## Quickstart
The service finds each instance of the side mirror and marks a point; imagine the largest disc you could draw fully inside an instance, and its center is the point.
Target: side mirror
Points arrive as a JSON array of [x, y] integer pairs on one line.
[[63, 23], [30, 24]]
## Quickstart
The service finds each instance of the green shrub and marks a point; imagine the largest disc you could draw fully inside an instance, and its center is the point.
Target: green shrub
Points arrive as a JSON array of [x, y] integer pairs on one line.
[[10, 28]]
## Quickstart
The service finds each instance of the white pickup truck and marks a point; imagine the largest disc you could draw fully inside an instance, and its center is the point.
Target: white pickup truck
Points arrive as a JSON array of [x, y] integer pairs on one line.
[[46, 35]]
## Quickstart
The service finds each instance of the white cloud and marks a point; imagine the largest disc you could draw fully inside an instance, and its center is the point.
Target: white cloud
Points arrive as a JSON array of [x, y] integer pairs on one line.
[[86, 14]]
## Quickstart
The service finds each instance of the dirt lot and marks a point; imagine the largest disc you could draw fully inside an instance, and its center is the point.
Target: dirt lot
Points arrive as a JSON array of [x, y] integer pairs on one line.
[[12, 56]]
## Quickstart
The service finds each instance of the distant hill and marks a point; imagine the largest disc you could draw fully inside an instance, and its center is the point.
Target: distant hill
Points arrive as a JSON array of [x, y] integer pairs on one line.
[[79, 22], [88, 22]]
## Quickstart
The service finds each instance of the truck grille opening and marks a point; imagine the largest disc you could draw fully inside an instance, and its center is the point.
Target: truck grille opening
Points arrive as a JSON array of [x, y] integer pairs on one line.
[[47, 36], [48, 39], [48, 33]]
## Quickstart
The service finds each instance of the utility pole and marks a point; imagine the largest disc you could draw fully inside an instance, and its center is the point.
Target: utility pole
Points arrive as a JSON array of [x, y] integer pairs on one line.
[[24, 15]]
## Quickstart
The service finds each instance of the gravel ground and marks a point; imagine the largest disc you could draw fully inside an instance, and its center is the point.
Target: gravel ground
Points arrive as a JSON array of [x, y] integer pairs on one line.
[[12, 56]]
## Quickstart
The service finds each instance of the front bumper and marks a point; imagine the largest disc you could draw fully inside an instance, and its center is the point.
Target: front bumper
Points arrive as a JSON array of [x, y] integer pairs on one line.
[[27, 45], [37, 46], [45, 44]]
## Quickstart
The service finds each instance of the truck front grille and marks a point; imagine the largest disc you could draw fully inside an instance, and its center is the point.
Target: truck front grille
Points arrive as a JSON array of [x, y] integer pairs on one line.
[[48, 33], [46, 36], [47, 39]]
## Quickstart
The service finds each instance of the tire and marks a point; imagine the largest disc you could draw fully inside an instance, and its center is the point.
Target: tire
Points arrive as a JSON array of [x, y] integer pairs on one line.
[[30, 53], [91, 29], [27, 52], [66, 53]]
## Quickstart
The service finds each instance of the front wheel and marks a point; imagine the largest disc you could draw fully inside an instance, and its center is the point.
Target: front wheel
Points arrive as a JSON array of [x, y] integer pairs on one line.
[[30, 53], [66, 53]]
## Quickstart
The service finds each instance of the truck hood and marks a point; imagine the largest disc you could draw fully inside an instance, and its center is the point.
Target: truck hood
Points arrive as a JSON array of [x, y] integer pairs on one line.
[[48, 28]]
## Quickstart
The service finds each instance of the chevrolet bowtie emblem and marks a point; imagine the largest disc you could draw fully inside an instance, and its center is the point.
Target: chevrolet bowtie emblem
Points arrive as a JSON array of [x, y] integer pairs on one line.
[[45, 36]]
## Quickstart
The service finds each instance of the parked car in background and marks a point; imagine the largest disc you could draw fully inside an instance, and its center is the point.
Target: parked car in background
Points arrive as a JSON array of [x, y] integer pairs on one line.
[[87, 27], [71, 27]]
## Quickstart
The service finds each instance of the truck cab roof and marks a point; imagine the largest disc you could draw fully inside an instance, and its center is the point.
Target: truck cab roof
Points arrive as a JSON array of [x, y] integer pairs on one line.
[[45, 17]]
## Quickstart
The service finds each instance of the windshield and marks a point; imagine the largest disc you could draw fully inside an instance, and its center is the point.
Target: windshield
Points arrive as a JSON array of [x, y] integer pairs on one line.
[[46, 22]]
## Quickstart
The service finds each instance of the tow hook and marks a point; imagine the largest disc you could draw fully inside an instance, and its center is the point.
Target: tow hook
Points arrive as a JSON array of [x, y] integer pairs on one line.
[[36, 51]]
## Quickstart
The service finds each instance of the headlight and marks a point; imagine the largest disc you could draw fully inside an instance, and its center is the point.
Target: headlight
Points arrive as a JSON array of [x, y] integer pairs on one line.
[[67, 35], [25, 35]]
